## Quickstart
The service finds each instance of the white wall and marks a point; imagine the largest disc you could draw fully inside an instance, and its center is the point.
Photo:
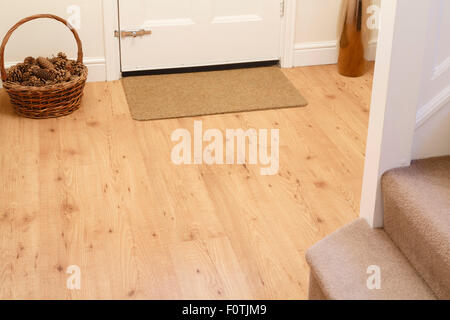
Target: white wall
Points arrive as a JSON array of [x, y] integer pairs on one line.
[[37, 38], [432, 139], [317, 20], [317, 32], [432, 134]]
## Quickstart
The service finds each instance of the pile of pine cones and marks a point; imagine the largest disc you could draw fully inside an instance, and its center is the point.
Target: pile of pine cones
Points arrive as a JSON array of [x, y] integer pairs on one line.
[[44, 71]]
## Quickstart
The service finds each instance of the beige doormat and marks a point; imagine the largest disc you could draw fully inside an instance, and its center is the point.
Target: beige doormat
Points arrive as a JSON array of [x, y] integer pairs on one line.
[[205, 93]]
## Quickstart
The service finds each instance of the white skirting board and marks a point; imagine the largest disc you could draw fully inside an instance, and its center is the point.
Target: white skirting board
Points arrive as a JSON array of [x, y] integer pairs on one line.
[[432, 107], [97, 69], [305, 54], [323, 52], [96, 66]]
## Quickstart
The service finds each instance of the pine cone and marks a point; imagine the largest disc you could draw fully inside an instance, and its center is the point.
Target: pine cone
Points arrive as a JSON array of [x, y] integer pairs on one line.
[[60, 64], [75, 68], [62, 56], [30, 61], [44, 63], [34, 82], [43, 74], [14, 74], [62, 76], [23, 67], [26, 76]]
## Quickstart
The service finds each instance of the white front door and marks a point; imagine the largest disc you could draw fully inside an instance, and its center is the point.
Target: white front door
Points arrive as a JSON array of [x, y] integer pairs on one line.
[[188, 33]]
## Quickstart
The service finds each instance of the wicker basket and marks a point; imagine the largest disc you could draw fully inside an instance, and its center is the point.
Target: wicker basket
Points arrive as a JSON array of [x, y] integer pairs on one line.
[[48, 101]]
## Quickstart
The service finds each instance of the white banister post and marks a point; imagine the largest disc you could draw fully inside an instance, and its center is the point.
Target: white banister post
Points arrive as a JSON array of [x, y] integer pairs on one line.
[[395, 96]]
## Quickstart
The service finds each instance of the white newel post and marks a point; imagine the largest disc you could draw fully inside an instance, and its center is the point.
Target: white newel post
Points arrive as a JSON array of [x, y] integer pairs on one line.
[[395, 98]]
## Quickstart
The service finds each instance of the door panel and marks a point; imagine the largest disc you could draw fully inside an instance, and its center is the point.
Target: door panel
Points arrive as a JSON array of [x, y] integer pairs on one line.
[[236, 9], [199, 32]]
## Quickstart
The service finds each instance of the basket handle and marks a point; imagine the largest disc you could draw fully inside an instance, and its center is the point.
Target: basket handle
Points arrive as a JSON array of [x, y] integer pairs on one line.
[[25, 20]]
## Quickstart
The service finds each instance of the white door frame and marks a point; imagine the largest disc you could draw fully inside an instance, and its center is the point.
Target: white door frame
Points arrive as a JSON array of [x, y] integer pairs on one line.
[[112, 45], [288, 26]]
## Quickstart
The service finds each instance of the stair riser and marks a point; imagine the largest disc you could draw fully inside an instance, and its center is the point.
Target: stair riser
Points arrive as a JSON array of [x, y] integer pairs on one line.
[[417, 218], [432, 267]]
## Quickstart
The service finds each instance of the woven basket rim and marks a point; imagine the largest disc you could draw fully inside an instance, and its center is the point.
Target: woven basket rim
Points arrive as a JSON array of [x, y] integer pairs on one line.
[[17, 87]]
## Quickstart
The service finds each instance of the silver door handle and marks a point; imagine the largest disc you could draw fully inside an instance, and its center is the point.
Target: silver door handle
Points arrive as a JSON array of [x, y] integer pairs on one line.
[[133, 33]]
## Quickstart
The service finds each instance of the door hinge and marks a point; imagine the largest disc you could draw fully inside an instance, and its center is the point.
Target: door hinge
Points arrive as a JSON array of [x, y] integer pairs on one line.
[[282, 8]]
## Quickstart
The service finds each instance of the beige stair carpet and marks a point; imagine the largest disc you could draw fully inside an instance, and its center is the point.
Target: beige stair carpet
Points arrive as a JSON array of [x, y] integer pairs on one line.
[[417, 218], [339, 265], [205, 93]]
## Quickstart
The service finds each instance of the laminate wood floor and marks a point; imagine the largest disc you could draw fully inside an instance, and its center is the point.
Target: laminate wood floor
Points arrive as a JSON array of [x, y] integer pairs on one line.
[[99, 191]]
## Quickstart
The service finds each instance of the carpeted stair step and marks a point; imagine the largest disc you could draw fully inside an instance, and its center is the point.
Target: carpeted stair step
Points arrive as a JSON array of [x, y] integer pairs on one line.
[[417, 218], [339, 267]]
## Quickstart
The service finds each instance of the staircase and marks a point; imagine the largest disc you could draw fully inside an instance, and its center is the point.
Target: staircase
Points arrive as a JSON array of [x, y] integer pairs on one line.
[[412, 252]]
